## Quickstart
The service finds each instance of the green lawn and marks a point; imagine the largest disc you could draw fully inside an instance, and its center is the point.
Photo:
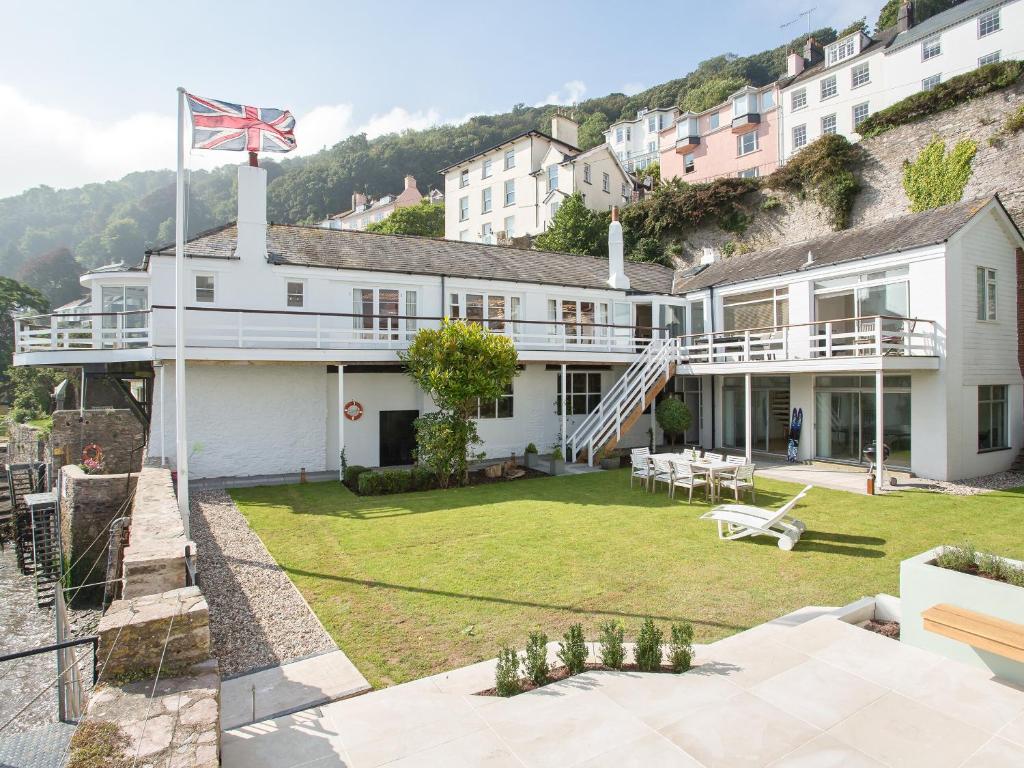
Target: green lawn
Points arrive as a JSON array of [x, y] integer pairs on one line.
[[415, 584]]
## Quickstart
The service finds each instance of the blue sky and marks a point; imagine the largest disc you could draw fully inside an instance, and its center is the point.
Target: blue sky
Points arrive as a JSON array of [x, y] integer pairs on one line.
[[93, 82]]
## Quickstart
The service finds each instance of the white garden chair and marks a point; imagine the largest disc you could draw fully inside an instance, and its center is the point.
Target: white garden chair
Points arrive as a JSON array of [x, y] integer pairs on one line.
[[736, 521], [640, 462], [739, 461], [739, 481], [662, 473], [713, 456], [683, 476], [691, 454]]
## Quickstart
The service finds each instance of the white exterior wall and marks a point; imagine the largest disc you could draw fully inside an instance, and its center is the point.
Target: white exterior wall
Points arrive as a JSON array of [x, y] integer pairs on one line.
[[904, 67], [639, 135], [571, 177]]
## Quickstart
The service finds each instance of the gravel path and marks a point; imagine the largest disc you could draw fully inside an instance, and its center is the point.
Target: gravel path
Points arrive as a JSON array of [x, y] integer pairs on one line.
[[257, 616]]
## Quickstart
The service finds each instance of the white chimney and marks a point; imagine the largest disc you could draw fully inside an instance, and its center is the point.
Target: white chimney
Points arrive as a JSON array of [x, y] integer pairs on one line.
[[708, 256], [252, 213], [794, 64], [616, 269], [565, 130]]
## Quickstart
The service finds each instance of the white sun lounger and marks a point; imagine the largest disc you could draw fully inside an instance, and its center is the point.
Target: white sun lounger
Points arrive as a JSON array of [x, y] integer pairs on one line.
[[736, 521]]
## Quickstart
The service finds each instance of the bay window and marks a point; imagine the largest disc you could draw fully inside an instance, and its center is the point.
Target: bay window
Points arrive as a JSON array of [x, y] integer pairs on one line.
[[116, 299]]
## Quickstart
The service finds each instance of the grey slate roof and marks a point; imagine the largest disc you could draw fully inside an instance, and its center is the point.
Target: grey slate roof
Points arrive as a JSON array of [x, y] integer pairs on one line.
[[890, 236], [879, 41], [948, 18], [354, 250]]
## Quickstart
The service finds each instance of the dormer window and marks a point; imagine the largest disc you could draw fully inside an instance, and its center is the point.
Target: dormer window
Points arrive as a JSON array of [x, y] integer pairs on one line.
[[687, 127], [841, 50]]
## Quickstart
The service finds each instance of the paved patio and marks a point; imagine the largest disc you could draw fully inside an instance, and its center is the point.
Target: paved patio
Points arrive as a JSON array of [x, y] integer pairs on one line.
[[804, 690]]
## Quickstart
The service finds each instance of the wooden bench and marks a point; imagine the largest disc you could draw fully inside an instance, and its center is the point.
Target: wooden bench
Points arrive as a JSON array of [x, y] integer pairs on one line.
[[986, 633]]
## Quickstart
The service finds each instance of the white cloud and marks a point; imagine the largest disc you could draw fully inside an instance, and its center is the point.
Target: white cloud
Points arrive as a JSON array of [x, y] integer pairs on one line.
[[570, 93], [41, 144]]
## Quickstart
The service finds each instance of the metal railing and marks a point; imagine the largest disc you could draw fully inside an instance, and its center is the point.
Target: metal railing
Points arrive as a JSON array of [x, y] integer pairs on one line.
[[877, 335]]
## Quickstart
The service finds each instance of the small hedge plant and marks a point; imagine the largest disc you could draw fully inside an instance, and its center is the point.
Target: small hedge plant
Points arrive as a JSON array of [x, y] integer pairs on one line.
[[648, 647], [966, 559], [506, 674], [388, 481], [680, 648], [572, 650], [536, 665], [351, 475], [611, 637]]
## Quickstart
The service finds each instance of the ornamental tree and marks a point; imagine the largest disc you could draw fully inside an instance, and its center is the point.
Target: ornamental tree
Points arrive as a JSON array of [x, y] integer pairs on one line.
[[673, 417], [458, 365], [425, 219]]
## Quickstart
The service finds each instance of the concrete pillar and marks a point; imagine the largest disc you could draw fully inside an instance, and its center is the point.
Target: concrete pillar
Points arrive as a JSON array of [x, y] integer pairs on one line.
[[879, 427], [748, 417], [163, 431]]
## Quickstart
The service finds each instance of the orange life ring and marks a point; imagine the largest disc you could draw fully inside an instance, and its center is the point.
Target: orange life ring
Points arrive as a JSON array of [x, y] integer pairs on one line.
[[353, 410]]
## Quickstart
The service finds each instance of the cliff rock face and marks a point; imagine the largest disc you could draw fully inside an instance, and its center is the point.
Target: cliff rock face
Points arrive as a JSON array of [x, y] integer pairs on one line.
[[998, 167]]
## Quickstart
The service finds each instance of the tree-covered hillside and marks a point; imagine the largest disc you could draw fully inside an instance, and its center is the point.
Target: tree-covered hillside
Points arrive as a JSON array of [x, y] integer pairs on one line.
[[117, 220]]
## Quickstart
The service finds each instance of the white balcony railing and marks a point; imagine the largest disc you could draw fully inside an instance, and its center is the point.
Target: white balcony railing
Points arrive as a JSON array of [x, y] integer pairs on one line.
[[879, 335], [296, 330], [84, 330]]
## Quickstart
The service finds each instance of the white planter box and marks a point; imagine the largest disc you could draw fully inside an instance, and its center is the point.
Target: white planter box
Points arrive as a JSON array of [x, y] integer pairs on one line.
[[923, 585]]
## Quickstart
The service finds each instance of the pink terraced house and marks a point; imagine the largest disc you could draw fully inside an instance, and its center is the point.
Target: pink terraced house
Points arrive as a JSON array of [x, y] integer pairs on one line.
[[739, 137]]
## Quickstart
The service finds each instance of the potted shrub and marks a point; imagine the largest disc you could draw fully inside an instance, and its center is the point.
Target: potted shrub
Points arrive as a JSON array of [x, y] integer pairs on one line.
[[531, 456], [557, 461], [608, 459], [673, 417], [963, 577]]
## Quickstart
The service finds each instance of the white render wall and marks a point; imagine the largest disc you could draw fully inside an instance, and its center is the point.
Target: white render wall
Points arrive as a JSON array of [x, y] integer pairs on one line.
[[640, 136]]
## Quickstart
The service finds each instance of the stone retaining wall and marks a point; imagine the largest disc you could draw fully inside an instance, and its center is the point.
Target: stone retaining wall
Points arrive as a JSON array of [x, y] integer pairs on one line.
[[117, 431], [154, 560], [88, 503], [25, 444]]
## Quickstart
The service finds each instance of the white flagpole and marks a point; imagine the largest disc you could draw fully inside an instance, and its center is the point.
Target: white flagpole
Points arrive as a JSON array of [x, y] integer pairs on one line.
[[181, 438]]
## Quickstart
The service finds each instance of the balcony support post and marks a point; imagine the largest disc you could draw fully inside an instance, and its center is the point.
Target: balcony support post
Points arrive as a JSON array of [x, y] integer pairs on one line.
[[341, 419], [565, 414], [879, 427], [747, 416], [163, 431], [878, 337]]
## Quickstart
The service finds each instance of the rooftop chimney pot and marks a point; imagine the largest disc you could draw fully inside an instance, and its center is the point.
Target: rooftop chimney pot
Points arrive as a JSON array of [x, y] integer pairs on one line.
[[905, 19]]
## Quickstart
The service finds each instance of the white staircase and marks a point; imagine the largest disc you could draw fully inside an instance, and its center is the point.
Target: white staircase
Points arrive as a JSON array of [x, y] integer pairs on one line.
[[623, 404]]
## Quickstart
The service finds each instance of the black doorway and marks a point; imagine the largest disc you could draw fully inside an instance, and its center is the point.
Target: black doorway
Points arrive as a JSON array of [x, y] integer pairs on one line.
[[397, 437]]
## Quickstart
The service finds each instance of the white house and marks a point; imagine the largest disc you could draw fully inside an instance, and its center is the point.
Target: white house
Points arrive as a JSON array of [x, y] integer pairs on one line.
[[636, 142], [832, 90], [514, 188], [292, 338]]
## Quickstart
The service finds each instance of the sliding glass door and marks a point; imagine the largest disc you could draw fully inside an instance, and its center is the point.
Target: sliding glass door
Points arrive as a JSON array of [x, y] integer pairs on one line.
[[844, 418], [769, 422]]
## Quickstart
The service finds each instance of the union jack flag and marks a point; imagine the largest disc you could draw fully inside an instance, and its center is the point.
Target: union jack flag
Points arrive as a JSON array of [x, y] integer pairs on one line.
[[223, 125]]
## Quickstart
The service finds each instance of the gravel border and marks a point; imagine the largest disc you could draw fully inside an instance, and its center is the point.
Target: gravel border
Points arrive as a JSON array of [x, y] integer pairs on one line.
[[258, 619], [998, 482]]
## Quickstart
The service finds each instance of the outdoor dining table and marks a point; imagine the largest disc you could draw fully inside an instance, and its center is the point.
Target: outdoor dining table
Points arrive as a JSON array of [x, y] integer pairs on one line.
[[711, 467]]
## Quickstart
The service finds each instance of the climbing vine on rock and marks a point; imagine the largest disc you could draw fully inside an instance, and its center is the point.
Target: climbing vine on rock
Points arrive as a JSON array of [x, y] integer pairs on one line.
[[824, 172], [936, 178]]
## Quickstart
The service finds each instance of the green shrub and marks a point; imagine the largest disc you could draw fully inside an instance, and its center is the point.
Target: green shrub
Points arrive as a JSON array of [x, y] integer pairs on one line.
[[770, 203], [352, 473], [1015, 122], [934, 178], [506, 674], [680, 648], [530, 448], [960, 557], [572, 650], [423, 479], [952, 93], [648, 647], [556, 454], [385, 482], [649, 250], [673, 416], [824, 172], [613, 653], [536, 665]]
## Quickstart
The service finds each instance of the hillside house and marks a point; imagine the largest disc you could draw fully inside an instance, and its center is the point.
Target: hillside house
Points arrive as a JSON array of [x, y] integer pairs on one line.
[[366, 210]]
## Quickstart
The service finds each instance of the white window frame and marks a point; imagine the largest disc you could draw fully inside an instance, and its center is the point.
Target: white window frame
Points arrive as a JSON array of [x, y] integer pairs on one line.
[[618, 135], [749, 173], [689, 163], [464, 208], [800, 130], [714, 120], [985, 23], [487, 233], [625, 192], [931, 47], [860, 74], [798, 100], [464, 178], [606, 183], [573, 379], [552, 177], [586, 173], [384, 328], [833, 127], [741, 141], [510, 226], [986, 296], [494, 415], [930, 82], [510, 192], [867, 113], [487, 169], [291, 293], [486, 200], [510, 159], [990, 58], [834, 87], [841, 50], [212, 289], [512, 309], [553, 208]]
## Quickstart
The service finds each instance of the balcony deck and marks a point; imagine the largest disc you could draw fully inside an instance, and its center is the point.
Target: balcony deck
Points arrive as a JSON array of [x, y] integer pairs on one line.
[[865, 343]]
